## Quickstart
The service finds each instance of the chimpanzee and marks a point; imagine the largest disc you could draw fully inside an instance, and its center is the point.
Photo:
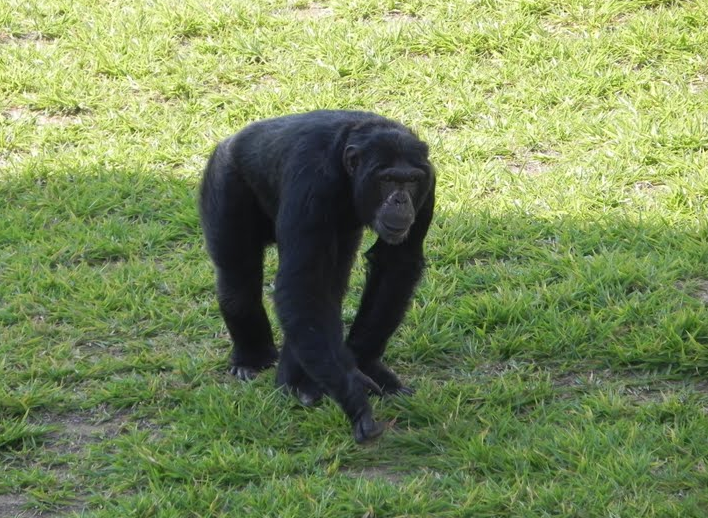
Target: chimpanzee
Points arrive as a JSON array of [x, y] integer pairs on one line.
[[310, 182]]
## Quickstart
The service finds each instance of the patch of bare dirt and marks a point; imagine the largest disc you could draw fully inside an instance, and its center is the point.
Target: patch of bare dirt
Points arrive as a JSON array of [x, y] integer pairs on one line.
[[11, 505], [375, 472], [94, 350], [75, 431], [15, 506], [34, 36], [644, 185], [398, 16], [696, 288], [561, 27], [266, 82], [647, 188], [639, 387], [314, 11], [698, 84], [58, 120], [496, 369], [445, 130], [14, 114], [41, 118], [532, 163], [37, 39]]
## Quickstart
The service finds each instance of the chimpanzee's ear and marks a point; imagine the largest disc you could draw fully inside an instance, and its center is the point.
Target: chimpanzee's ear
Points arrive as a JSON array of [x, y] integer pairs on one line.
[[351, 159]]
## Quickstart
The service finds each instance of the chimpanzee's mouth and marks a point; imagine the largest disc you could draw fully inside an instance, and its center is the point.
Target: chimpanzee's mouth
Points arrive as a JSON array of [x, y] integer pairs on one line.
[[394, 230]]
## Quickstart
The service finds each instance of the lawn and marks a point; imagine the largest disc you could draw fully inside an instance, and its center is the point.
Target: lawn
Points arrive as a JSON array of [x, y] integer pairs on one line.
[[558, 341]]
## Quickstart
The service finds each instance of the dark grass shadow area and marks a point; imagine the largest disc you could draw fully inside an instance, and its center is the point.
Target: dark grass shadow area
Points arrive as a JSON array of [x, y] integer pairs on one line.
[[610, 292], [559, 362]]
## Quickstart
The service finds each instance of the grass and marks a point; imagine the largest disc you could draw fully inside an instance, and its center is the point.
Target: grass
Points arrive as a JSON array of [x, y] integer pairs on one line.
[[559, 341]]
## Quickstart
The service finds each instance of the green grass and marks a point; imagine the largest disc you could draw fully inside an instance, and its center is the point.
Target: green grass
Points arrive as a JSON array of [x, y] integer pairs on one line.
[[559, 341]]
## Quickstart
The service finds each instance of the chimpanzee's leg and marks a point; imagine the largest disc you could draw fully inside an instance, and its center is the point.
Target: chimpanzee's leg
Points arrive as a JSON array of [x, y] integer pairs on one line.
[[236, 232]]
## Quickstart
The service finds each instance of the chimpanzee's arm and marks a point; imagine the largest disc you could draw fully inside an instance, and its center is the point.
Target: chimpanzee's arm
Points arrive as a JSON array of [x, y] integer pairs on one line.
[[394, 271], [308, 308]]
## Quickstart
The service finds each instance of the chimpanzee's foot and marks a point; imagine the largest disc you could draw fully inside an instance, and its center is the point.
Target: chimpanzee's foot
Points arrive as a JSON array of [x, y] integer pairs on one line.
[[386, 379], [246, 366], [307, 392], [299, 384], [366, 429]]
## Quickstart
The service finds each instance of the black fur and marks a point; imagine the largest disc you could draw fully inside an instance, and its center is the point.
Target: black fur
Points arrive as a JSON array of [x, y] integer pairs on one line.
[[310, 183]]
